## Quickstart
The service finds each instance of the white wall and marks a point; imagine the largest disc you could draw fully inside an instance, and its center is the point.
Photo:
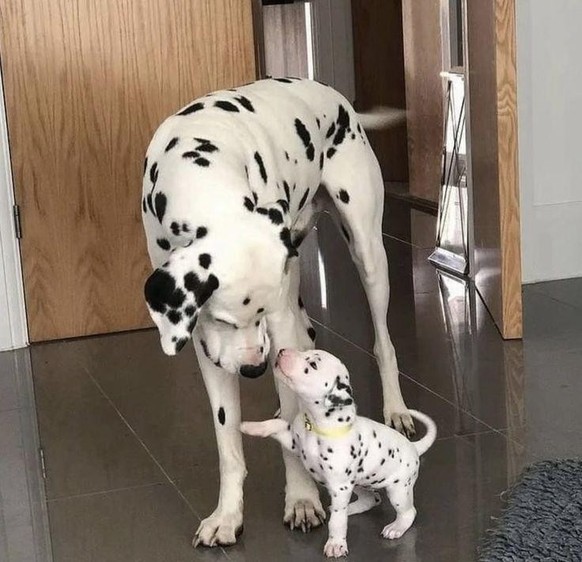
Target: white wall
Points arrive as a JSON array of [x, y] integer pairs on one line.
[[549, 59], [13, 332]]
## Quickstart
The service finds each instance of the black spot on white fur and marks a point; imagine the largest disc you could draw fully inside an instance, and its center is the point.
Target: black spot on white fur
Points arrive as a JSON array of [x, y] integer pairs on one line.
[[204, 260], [226, 106], [160, 203], [246, 103], [344, 196], [303, 199], [162, 293], [221, 416], [305, 137], [261, 165], [201, 232], [192, 108], [343, 123], [202, 289], [163, 244], [171, 144], [285, 236]]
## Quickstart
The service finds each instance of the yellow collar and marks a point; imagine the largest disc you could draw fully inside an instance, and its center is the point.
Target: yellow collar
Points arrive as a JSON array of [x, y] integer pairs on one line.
[[332, 432]]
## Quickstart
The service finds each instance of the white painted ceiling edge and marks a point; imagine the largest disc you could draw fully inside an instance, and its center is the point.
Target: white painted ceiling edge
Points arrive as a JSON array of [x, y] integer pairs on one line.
[[13, 327]]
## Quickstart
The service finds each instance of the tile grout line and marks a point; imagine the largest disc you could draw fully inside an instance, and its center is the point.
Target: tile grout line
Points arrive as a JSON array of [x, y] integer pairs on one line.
[[147, 450], [407, 377], [102, 492], [555, 299]]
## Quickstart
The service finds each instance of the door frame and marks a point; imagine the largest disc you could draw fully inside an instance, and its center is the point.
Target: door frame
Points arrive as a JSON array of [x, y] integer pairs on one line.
[[14, 331]]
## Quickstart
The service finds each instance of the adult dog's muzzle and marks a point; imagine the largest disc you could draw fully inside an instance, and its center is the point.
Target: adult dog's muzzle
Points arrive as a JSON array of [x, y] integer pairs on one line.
[[253, 371]]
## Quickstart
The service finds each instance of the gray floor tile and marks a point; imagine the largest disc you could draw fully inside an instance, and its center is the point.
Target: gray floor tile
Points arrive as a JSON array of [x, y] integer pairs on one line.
[[87, 446], [146, 524], [24, 533], [13, 391], [457, 493], [567, 291]]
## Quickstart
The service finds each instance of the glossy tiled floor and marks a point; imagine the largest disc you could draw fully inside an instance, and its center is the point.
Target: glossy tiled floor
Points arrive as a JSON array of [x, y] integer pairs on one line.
[[131, 462]]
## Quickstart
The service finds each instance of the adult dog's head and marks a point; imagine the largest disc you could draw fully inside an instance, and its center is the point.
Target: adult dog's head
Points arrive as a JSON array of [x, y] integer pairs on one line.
[[223, 285]]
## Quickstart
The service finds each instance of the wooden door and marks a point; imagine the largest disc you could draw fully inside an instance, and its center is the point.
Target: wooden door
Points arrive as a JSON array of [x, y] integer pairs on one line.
[[379, 77], [492, 110], [423, 63], [86, 84]]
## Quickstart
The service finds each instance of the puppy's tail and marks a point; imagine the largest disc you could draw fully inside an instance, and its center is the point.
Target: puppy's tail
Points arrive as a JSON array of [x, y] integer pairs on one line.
[[425, 443], [382, 118]]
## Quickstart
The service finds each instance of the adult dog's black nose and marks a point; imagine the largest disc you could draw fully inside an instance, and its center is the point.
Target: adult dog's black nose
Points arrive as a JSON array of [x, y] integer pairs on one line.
[[253, 371]]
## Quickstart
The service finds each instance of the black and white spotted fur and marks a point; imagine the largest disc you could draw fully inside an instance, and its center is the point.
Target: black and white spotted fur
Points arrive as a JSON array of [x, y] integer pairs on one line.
[[342, 450], [232, 184]]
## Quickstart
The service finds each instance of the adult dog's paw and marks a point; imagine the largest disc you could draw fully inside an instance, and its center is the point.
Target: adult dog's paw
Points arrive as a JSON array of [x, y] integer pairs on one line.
[[401, 422], [218, 530], [304, 515]]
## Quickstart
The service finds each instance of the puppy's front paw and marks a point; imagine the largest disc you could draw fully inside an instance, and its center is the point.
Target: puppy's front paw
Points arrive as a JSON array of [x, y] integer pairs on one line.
[[335, 548], [256, 429]]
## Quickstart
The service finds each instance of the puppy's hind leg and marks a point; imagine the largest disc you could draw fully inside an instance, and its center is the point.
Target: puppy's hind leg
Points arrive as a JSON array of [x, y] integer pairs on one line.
[[402, 500], [366, 500]]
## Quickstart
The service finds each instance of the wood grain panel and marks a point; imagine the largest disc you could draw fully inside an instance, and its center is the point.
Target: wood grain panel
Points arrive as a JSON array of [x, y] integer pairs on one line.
[[86, 85], [493, 132], [424, 95], [379, 77], [285, 35], [506, 74]]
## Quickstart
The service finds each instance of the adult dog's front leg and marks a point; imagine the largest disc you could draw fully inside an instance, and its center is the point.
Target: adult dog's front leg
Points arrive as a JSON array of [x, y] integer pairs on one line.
[[303, 509], [225, 523]]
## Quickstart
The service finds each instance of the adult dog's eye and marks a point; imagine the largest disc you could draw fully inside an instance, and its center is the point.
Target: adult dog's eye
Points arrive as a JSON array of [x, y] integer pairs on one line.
[[221, 321]]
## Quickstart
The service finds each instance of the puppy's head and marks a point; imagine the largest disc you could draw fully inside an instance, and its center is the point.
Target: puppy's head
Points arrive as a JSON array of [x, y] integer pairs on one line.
[[320, 379]]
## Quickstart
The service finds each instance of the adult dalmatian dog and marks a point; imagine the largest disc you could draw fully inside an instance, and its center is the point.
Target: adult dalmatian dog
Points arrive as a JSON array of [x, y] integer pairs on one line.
[[232, 184]]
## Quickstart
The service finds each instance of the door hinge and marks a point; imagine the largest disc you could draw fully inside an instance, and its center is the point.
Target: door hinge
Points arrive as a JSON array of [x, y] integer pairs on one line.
[[42, 464], [17, 221]]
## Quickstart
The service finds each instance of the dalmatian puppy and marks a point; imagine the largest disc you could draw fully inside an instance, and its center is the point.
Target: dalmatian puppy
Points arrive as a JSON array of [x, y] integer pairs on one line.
[[232, 184], [342, 450]]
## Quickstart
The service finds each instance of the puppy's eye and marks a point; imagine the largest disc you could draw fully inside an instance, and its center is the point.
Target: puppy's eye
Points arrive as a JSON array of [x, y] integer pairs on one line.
[[313, 365]]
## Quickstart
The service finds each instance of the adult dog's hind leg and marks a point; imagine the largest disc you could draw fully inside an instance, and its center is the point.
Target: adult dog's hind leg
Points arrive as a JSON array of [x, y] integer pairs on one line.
[[355, 185], [225, 523]]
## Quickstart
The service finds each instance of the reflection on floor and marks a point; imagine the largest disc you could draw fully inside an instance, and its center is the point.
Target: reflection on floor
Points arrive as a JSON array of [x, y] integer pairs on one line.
[[131, 462]]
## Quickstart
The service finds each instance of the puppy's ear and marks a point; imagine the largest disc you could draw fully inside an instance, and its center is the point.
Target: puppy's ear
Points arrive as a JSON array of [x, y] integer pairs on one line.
[[174, 295], [340, 395]]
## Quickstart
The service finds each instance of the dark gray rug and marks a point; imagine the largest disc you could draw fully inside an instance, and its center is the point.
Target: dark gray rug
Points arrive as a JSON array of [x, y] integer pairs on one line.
[[543, 517]]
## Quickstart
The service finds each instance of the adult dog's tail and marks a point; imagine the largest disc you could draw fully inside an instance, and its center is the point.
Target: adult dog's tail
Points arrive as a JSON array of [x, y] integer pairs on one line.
[[382, 118], [424, 444]]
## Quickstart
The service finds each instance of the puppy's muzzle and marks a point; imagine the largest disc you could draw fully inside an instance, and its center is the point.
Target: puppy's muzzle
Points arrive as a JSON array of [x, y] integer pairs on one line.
[[253, 371]]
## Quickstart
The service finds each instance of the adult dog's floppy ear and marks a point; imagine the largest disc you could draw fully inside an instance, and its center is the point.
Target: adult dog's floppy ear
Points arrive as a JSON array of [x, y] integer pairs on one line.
[[339, 395], [174, 295]]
